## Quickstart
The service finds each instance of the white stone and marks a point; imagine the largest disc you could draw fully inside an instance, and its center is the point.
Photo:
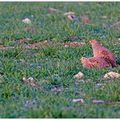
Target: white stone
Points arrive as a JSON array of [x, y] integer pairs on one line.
[[79, 75], [26, 20]]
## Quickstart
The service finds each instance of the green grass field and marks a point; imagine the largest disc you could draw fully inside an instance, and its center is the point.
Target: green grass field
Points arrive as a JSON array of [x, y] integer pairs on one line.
[[55, 65]]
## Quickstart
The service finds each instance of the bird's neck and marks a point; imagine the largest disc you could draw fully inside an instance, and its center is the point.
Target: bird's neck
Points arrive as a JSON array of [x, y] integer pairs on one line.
[[96, 46]]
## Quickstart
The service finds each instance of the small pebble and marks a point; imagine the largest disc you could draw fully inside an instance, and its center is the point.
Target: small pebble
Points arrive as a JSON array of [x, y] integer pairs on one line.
[[26, 20], [79, 75], [78, 100]]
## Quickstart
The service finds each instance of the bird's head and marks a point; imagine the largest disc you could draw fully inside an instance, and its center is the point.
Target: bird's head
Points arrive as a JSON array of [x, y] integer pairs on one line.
[[82, 59], [92, 42], [95, 43]]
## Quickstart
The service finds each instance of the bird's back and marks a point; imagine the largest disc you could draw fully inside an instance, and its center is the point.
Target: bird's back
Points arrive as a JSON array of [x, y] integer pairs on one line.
[[100, 51]]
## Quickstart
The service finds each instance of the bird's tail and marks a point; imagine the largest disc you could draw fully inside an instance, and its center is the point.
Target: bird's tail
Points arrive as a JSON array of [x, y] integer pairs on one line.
[[111, 62]]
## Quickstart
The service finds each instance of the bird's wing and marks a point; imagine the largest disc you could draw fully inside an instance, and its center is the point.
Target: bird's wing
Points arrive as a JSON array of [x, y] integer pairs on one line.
[[94, 61], [109, 58], [104, 52]]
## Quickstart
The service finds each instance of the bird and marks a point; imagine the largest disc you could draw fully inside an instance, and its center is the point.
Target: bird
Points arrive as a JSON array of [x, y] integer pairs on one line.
[[94, 62], [100, 51]]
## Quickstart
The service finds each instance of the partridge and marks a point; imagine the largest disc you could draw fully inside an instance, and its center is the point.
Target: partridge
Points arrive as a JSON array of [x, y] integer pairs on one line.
[[94, 62], [102, 52]]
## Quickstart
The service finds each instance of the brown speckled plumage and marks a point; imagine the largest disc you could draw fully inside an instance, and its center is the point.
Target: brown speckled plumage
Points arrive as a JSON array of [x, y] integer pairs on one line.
[[100, 51], [94, 62]]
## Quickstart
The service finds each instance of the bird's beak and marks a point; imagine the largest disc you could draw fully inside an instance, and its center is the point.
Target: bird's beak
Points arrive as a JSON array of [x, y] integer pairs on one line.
[[81, 59], [90, 41]]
